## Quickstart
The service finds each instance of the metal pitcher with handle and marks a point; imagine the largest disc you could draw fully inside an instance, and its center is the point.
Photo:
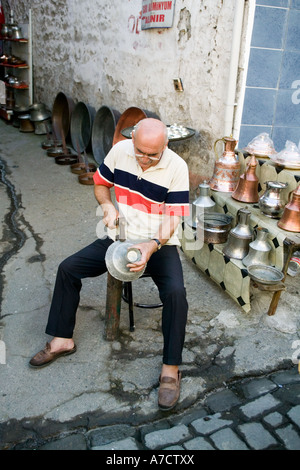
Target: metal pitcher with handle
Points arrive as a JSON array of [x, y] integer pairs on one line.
[[227, 167]]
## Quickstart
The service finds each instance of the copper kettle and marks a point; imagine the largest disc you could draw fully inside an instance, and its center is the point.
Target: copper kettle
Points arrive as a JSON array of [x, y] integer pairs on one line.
[[227, 167], [290, 219], [247, 188]]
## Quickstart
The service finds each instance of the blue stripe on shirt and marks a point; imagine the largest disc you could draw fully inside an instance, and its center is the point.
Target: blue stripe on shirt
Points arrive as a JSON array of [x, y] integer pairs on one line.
[[145, 188]]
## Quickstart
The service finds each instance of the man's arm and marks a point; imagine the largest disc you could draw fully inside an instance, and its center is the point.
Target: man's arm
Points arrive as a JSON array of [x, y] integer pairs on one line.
[[167, 228], [110, 213]]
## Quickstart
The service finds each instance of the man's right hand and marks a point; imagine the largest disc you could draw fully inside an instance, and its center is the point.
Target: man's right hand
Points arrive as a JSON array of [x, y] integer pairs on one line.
[[110, 215]]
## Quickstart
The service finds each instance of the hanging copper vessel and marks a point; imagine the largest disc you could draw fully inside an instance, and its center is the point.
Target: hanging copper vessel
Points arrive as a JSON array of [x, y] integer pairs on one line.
[[290, 219], [247, 188], [227, 167]]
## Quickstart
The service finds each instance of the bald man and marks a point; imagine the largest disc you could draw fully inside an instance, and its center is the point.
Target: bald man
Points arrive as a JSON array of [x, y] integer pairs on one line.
[[151, 187]]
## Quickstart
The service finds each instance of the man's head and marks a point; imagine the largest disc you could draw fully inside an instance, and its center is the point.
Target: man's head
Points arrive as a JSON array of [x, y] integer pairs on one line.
[[150, 138]]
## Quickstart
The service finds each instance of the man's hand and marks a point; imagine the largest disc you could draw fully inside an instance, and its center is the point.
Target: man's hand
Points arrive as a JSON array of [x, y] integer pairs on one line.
[[146, 249], [110, 215]]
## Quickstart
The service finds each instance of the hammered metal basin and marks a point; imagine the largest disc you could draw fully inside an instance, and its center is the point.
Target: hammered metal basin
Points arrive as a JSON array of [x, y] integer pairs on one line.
[[103, 130], [63, 107], [130, 118], [81, 126], [265, 274], [116, 261]]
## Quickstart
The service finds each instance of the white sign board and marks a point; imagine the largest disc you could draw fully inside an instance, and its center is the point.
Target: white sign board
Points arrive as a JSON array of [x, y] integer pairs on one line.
[[157, 14]]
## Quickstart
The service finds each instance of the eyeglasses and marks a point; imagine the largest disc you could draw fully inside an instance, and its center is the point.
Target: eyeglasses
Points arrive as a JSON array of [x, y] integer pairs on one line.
[[143, 155]]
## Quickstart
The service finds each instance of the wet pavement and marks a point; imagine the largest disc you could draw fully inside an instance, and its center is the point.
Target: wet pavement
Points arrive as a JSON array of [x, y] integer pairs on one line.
[[240, 386]]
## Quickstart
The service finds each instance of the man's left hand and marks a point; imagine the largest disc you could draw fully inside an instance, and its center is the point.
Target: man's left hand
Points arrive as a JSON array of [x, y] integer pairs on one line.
[[146, 249]]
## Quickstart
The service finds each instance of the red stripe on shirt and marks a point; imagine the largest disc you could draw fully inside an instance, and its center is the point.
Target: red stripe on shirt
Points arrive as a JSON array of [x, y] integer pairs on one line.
[[138, 202], [99, 180]]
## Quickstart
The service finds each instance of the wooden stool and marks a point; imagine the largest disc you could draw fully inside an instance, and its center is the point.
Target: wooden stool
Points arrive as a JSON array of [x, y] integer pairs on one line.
[[127, 296]]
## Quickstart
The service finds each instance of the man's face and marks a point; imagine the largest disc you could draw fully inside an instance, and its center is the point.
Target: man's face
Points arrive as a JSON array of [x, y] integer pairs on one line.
[[148, 152]]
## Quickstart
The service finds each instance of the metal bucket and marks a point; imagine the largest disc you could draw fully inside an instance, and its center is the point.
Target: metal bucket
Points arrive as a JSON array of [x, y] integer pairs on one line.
[[130, 118], [81, 126], [63, 107], [25, 124], [214, 227], [103, 131]]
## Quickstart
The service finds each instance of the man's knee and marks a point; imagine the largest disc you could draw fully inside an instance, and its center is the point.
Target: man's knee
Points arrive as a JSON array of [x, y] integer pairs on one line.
[[67, 265], [175, 294]]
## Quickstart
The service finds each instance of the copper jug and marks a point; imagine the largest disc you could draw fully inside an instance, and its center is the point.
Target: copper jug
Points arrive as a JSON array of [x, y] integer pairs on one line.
[[227, 167], [247, 188], [290, 219]]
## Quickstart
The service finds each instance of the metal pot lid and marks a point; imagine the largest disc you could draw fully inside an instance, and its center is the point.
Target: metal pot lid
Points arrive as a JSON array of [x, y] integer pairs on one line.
[[116, 261], [81, 125], [103, 131]]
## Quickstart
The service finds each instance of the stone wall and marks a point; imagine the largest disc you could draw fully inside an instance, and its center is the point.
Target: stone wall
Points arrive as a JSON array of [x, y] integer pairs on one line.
[[96, 52]]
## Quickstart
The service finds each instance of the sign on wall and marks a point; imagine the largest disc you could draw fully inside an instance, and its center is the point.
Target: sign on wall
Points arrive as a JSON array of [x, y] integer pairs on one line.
[[157, 14]]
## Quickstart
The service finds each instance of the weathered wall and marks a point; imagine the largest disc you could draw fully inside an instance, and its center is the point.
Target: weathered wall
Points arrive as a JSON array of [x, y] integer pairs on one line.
[[96, 52]]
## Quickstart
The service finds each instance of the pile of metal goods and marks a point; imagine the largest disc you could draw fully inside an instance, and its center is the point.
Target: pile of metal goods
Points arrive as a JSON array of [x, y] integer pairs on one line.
[[242, 242]]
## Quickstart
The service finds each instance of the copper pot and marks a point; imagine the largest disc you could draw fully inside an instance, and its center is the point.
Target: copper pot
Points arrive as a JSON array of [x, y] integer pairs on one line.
[[80, 168], [61, 114], [290, 219], [247, 188], [130, 118], [25, 124], [86, 178]]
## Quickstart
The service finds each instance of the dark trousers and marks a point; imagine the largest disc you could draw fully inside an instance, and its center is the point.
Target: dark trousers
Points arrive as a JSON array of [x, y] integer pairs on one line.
[[165, 269]]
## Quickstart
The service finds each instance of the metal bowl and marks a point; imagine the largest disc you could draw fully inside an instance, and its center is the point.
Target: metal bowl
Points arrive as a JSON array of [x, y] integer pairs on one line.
[[130, 118], [86, 178], [81, 168], [63, 107], [264, 274], [60, 152], [39, 112], [116, 261], [81, 126], [103, 131]]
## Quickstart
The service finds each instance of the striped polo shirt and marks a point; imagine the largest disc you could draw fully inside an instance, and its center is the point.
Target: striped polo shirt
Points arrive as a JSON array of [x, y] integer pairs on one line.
[[144, 197]]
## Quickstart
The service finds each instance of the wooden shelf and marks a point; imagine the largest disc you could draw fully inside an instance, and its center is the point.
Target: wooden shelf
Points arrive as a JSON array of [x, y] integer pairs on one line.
[[17, 66], [6, 113], [22, 40], [17, 87]]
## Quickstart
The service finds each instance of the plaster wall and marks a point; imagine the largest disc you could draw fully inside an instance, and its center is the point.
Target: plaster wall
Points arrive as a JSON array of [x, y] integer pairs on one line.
[[96, 52]]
